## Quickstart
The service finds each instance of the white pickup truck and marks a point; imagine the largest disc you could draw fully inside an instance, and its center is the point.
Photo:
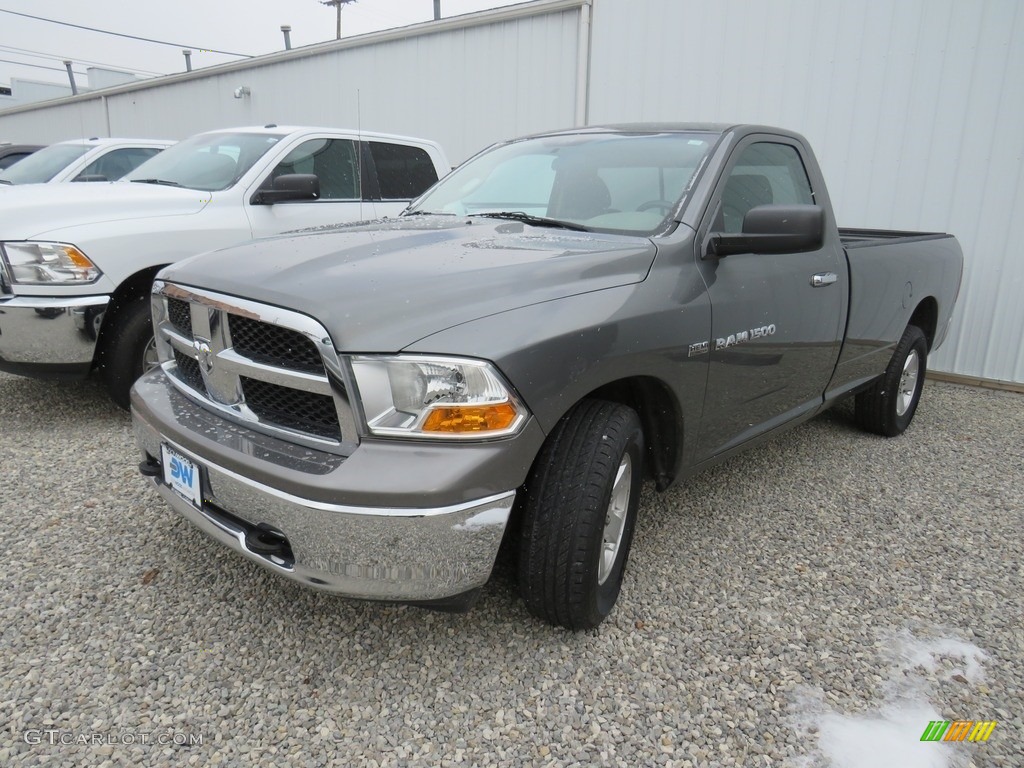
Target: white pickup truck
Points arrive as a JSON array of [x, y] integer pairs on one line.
[[76, 265], [82, 160]]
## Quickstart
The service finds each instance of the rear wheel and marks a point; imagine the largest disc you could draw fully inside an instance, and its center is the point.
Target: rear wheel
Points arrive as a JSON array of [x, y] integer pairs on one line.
[[579, 512], [888, 407], [130, 350]]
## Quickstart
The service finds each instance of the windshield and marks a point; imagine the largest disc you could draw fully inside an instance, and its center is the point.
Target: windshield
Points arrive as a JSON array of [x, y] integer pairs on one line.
[[602, 181], [41, 166], [209, 161]]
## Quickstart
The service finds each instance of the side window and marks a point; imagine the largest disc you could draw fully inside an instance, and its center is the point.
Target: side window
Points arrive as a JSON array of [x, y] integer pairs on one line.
[[333, 161], [116, 163], [403, 172], [765, 173]]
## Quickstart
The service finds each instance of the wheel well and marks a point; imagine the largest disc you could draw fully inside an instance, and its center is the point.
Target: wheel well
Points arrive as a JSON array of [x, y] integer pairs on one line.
[[136, 287], [659, 414], [926, 317]]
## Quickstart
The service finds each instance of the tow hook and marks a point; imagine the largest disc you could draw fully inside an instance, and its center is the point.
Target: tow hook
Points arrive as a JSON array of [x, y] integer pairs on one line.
[[150, 467], [266, 542]]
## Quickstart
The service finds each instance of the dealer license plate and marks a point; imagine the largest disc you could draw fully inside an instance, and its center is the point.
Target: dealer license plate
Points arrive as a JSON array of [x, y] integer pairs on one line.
[[182, 475]]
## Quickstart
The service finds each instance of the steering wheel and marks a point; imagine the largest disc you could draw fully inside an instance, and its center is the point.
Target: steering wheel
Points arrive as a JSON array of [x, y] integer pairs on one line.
[[664, 205]]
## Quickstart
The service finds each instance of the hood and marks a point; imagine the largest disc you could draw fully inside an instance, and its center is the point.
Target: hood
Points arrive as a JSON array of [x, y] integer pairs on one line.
[[380, 288], [31, 210]]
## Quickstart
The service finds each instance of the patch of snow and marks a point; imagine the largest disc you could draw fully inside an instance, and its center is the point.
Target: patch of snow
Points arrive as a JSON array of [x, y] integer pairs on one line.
[[890, 736]]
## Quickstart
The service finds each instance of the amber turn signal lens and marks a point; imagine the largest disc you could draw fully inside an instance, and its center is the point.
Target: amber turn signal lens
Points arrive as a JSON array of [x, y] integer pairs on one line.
[[77, 258], [470, 418]]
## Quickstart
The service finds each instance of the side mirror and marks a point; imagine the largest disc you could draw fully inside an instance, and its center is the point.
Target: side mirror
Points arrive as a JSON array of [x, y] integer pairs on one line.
[[291, 186], [774, 229]]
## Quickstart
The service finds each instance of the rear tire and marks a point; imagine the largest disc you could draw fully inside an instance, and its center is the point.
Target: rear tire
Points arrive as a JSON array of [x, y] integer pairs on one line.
[[129, 350], [579, 512], [888, 407]]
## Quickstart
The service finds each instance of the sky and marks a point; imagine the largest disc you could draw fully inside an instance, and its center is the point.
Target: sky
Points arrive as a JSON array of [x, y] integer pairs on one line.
[[247, 27]]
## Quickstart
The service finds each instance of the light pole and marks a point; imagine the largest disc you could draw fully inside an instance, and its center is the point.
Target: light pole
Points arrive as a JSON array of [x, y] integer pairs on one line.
[[338, 5]]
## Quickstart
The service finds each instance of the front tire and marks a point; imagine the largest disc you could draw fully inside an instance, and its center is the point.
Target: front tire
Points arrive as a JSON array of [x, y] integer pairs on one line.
[[888, 407], [129, 351], [579, 513]]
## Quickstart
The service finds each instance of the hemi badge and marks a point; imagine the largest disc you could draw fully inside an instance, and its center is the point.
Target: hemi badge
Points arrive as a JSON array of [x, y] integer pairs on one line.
[[699, 348]]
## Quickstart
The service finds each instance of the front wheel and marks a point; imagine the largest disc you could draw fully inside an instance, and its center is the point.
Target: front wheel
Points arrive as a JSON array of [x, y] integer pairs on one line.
[[130, 350], [888, 407], [579, 512]]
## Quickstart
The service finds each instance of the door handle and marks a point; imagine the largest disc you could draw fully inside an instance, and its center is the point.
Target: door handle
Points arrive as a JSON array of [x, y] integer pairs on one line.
[[823, 278]]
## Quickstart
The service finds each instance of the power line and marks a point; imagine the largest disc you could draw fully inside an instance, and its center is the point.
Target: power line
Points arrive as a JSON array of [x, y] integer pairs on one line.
[[38, 66], [55, 57], [121, 34]]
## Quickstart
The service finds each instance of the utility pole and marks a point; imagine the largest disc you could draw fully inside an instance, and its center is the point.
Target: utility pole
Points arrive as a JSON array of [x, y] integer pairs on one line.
[[437, 10], [338, 5]]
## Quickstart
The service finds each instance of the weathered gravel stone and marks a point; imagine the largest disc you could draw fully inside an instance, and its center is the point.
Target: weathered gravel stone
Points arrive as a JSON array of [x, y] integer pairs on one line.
[[770, 588]]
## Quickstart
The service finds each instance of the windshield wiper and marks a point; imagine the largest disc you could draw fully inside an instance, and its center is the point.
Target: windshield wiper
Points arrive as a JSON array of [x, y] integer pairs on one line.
[[403, 214], [5, 181], [526, 218], [164, 182]]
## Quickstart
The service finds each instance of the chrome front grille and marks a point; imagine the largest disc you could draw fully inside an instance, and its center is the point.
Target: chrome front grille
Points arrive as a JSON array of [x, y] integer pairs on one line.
[[268, 368]]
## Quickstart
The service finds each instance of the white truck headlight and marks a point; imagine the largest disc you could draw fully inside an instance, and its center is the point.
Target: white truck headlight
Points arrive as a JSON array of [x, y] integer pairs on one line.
[[437, 397], [36, 263]]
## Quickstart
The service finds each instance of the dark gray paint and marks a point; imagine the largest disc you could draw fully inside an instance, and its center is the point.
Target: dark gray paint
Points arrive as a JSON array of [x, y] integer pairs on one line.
[[564, 313]]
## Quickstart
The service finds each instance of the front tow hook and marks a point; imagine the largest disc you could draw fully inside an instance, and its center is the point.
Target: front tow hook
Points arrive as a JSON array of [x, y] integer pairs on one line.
[[269, 544]]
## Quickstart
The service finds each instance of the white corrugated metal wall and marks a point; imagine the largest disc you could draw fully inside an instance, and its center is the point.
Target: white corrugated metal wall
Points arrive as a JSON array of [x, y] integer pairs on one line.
[[915, 109], [463, 82]]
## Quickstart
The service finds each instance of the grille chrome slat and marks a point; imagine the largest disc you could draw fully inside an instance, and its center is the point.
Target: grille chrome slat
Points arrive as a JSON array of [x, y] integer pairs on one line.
[[177, 340], [245, 366], [270, 369]]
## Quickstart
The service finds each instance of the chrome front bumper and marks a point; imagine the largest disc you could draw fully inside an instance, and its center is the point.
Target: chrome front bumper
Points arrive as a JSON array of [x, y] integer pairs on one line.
[[384, 551], [50, 331]]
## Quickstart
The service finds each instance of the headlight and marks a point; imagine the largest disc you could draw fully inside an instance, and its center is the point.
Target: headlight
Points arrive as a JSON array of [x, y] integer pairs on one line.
[[47, 263], [436, 397]]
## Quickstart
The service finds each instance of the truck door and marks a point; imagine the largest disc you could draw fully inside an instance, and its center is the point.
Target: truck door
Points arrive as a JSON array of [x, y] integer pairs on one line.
[[337, 164], [776, 318]]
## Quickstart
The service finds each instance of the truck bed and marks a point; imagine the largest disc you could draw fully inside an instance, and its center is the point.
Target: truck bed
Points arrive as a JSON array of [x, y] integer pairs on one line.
[[892, 269]]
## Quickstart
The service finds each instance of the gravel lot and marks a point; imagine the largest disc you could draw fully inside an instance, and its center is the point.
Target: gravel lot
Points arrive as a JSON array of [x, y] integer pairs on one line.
[[813, 603]]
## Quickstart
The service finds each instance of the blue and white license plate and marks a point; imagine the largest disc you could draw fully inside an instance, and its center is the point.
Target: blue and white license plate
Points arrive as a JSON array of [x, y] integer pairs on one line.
[[182, 475]]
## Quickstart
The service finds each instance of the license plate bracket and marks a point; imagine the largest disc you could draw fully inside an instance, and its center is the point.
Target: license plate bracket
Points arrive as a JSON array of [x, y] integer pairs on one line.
[[182, 475]]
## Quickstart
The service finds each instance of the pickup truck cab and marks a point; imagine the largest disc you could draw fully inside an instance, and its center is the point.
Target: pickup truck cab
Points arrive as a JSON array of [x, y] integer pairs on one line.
[[370, 410], [82, 160], [76, 265]]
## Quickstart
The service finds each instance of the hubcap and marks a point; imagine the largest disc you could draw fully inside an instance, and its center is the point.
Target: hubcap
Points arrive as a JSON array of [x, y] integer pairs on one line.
[[615, 519], [908, 383], [150, 358]]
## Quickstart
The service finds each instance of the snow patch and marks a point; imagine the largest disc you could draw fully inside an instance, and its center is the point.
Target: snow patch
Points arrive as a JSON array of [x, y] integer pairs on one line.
[[890, 736]]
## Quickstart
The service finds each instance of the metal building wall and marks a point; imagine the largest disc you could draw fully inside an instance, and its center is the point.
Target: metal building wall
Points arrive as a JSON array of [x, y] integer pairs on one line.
[[915, 109], [913, 106], [464, 82]]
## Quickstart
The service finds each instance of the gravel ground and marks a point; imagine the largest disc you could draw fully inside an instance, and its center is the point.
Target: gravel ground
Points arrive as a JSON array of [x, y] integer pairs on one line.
[[814, 602]]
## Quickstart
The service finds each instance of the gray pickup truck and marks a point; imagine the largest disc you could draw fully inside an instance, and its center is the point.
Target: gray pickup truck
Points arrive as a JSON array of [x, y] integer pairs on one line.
[[372, 410]]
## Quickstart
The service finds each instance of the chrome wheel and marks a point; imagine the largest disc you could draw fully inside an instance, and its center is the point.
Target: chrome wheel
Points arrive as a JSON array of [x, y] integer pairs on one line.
[[150, 358], [908, 383], [615, 519]]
